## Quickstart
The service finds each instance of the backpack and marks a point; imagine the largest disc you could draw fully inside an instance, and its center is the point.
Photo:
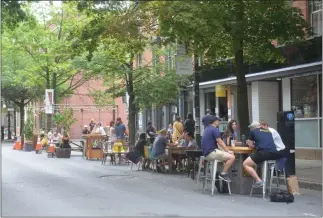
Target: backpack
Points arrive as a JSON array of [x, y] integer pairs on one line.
[[282, 197], [224, 189], [134, 157]]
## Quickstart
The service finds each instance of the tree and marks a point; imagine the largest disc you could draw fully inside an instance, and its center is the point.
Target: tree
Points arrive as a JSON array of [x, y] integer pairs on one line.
[[16, 86], [12, 13], [47, 42], [113, 39], [241, 30]]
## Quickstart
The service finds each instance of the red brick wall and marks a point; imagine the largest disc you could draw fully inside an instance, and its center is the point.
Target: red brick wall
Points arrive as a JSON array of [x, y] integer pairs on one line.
[[303, 5], [80, 97]]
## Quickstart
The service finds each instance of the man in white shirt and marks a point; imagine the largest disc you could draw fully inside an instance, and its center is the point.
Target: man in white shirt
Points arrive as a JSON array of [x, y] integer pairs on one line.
[[280, 146]]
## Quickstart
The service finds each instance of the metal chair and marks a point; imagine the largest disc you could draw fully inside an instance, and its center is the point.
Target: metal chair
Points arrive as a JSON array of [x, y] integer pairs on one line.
[[273, 170]]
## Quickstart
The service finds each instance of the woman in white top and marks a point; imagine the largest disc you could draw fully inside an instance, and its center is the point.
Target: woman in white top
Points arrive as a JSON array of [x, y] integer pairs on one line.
[[100, 129], [55, 138], [113, 136]]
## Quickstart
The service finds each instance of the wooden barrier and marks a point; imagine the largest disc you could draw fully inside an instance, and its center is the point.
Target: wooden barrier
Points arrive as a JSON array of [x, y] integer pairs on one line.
[[94, 144]]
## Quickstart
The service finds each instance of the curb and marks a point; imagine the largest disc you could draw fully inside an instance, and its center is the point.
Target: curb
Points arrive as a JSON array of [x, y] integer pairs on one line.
[[306, 185]]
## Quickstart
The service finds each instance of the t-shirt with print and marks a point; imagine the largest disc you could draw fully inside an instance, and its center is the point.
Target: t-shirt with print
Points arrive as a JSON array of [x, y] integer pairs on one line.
[[263, 140], [209, 137], [159, 146]]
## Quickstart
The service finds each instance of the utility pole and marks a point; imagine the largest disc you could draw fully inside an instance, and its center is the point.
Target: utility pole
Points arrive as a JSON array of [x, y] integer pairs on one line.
[[197, 64]]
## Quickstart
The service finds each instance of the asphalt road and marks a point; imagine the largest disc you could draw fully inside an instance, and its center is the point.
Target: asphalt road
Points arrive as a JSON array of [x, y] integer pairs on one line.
[[34, 185]]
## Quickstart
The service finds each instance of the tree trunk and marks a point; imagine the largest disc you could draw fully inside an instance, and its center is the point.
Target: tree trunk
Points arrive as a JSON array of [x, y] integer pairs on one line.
[[9, 125], [22, 122], [242, 92], [132, 108], [15, 121]]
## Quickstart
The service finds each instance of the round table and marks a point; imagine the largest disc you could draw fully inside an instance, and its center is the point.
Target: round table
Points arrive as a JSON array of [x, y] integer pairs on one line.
[[242, 150]]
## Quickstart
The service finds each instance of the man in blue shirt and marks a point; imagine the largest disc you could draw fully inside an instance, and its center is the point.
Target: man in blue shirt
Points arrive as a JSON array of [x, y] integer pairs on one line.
[[262, 140], [120, 129], [206, 119], [211, 140]]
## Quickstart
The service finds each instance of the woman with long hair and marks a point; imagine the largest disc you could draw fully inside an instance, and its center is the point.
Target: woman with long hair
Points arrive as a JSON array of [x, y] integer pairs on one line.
[[66, 140], [230, 132]]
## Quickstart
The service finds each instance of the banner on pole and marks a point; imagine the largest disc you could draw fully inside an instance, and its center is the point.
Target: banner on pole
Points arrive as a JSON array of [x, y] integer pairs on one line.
[[49, 101]]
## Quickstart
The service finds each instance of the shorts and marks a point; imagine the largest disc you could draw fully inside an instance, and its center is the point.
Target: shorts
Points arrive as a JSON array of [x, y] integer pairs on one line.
[[161, 157], [217, 155], [261, 156]]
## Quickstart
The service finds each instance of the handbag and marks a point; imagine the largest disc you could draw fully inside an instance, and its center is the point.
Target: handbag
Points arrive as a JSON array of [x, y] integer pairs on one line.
[[282, 197]]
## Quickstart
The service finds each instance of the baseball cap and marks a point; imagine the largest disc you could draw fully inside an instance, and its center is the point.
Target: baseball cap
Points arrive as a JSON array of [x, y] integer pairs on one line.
[[212, 119], [254, 124]]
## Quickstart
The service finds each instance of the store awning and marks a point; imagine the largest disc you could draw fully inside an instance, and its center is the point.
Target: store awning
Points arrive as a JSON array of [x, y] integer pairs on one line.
[[270, 74]]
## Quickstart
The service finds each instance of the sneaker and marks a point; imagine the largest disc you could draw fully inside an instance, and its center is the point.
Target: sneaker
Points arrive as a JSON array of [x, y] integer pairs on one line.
[[224, 177], [258, 184]]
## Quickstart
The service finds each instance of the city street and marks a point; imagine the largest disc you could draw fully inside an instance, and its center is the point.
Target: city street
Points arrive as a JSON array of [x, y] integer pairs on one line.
[[34, 185]]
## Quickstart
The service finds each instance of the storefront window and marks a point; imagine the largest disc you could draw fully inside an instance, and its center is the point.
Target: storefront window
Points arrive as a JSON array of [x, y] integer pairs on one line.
[[305, 96]]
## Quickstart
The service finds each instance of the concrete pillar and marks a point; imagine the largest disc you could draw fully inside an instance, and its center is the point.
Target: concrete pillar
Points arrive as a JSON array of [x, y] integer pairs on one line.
[[286, 92]]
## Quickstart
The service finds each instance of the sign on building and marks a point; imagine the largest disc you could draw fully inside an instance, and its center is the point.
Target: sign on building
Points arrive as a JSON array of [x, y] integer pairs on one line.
[[184, 62], [49, 101]]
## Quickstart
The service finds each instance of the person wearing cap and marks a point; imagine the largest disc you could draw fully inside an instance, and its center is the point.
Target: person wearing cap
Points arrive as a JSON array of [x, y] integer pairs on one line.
[[206, 119], [261, 139], [92, 125], [214, 148], [86, 131]]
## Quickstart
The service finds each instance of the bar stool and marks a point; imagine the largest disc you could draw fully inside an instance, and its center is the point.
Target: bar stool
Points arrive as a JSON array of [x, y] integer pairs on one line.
[[273, 169], [212, 177], [202, 158]]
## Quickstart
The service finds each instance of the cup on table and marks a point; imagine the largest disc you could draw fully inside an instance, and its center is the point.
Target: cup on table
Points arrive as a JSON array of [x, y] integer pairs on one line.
[[233, 143]]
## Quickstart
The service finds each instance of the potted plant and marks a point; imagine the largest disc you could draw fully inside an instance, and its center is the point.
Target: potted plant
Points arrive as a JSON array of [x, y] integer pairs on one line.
[[65, 120], [29, 130]]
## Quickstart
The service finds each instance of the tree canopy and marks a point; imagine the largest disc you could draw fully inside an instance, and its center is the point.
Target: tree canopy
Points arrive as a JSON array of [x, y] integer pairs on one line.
[[239, 30]]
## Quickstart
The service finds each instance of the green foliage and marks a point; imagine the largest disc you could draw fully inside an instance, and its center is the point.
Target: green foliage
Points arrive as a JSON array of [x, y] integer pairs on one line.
[[12, 13], [65, 119], [29, 125], [240, 30], [211, 27], [47, 45]]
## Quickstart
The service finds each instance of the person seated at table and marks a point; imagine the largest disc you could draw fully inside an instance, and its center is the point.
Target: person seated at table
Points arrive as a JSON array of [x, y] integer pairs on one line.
[[43, 140], [55, 138], [159, 146], [86, 130], [65, 140], [140, 147], [211, 142], [262, 140], [191, 142], [230, 133]]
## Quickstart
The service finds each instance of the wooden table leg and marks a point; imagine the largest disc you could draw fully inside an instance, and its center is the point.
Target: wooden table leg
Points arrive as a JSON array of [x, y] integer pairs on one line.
[[170, 161]]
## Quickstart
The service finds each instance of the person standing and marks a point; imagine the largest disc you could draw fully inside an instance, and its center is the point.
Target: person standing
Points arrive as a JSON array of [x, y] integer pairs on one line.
[[206, 119], [92, 125], [189, 124], [211, 141], [100, 129], [120, 129], [178, 130], [112, 134], [151, 132], [85, 131]]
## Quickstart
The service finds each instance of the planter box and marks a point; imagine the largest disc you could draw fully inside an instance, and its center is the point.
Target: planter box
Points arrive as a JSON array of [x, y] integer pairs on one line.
[[28, 146], [63, 152]]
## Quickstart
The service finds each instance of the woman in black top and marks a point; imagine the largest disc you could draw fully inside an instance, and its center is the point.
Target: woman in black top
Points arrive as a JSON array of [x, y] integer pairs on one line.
[[189, 124], [151, 131], [66, 140], [140, 146]]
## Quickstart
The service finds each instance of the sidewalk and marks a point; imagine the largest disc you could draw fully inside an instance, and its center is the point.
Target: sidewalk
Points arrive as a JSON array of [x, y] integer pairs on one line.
[[309, 174]]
